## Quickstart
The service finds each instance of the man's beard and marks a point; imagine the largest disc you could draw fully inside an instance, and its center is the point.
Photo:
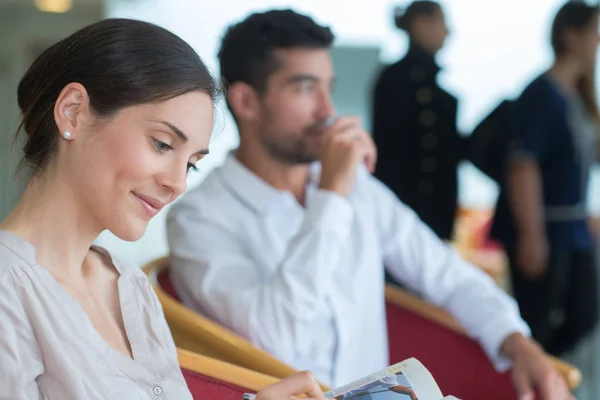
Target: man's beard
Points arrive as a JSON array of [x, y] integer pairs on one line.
[[295, 151]]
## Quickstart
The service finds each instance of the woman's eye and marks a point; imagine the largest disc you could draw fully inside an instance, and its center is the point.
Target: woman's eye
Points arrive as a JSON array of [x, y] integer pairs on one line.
[[161, 147], [192, 167]]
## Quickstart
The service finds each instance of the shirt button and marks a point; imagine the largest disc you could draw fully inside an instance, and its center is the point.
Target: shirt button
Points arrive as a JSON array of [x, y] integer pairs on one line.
[[429, 141], [428, 164], [417, 74], [424, 95], [157, 390], [427, 117], [425, 188]]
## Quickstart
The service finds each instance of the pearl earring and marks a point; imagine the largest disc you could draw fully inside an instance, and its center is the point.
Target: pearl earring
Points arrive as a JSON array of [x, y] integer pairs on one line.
[[67, 135]]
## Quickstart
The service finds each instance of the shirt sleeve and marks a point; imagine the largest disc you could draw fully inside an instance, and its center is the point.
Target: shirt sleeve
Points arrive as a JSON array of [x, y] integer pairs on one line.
[[214, 272], [416, 257], [19, 353], [537, 115]]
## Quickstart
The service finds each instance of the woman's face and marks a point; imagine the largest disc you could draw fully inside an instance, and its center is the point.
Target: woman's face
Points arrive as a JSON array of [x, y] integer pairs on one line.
[[127, 168], [584, 44], [430, 31]]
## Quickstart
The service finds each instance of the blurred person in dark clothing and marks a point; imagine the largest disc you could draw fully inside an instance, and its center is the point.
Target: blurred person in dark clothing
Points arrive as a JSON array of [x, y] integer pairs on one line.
[[541, 216], [414, 123]]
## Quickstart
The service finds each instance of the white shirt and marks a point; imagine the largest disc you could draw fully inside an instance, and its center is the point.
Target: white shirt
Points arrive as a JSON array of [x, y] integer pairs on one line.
[[307, 284], [49, 348]]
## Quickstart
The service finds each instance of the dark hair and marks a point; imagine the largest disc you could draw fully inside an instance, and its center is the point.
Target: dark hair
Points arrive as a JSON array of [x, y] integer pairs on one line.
[[247, 48], [576, 15], [404, 18], [120, 62]]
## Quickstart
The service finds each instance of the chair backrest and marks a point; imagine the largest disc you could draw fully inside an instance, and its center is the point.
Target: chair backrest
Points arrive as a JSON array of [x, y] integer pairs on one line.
[[194, 332], [208, 378], [458, 363], [164, 282], [203, 387]]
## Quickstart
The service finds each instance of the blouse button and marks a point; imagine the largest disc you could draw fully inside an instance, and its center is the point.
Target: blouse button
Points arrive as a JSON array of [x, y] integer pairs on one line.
[[157, 390]]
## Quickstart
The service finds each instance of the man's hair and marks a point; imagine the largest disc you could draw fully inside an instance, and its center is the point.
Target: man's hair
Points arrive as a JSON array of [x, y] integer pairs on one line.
[[248, 47]]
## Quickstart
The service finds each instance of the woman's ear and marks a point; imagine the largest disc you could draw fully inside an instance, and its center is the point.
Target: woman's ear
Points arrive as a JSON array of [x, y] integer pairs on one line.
[[71, 109]]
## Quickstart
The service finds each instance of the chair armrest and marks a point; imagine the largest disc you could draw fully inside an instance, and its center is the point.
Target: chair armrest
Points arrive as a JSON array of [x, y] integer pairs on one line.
[[223, 371], [401, 298]]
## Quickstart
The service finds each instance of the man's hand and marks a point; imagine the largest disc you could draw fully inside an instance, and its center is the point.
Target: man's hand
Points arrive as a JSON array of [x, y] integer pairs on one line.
[[300, 384], [345, 146], [532, 370]]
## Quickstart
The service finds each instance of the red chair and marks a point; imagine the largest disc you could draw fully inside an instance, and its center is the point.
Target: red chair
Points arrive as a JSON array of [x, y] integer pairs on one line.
[[203, 387], [458, 364], [208, 378], [164, 282]]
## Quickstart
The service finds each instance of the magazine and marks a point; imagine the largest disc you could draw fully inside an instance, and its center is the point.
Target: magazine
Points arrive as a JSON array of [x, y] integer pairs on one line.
[[407, 380]]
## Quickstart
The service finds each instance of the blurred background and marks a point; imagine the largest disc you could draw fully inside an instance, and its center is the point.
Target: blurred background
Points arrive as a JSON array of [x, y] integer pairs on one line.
[[494, 49]]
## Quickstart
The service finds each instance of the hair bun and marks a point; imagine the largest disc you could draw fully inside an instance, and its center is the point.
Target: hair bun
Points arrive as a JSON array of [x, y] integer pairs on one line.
[[404, 16], [400, 19]]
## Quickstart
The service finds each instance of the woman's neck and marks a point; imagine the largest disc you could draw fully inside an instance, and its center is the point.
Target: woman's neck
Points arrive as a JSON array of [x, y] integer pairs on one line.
[[567, 73], [51, 217]]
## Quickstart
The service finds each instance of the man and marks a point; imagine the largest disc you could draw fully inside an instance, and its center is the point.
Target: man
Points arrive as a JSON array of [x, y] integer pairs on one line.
[[289, 252]]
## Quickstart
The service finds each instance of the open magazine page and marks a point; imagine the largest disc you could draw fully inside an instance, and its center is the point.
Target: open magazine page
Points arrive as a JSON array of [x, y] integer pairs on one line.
[[408, 380]]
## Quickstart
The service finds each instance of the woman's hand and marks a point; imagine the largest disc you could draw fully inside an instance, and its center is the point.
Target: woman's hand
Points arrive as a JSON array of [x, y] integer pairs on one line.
[[303, 383], [532, 255]]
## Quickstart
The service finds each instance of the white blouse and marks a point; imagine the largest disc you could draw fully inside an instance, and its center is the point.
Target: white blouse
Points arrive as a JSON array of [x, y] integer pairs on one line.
[[50, 350]]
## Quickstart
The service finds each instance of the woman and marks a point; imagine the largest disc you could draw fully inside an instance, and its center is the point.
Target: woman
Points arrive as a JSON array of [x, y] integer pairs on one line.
[[414, 123], [541, 214], [115, 116]]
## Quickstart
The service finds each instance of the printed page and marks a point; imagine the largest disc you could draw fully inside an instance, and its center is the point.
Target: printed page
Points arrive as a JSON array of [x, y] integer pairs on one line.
[[408, 380]]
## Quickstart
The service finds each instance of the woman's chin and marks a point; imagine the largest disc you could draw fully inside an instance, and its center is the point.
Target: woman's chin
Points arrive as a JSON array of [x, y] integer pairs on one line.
[[130, 232]]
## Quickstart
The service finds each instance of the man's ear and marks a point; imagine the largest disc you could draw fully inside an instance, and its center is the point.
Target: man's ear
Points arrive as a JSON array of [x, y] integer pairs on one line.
[[244, 101]]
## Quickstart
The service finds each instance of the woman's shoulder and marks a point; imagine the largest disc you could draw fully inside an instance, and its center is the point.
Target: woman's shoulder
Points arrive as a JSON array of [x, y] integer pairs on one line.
[[398, 72], [9, 261], [15, 254], [543, 91]]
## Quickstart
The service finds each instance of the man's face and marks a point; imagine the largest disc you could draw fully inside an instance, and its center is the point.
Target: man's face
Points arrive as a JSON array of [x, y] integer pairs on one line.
[[296, 105]]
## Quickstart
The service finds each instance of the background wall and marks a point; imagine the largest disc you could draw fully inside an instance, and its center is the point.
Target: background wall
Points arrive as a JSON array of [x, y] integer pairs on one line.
[[26, 32], [494, 49]]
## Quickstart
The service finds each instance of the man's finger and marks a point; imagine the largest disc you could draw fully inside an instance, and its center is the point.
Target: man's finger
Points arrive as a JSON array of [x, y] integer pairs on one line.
[[523, 386], [343, 123], [371, 158], [553, 388]]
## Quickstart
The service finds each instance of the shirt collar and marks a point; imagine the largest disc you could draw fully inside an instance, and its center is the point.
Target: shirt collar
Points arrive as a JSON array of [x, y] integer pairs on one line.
[[420, 56], [252, 189]]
